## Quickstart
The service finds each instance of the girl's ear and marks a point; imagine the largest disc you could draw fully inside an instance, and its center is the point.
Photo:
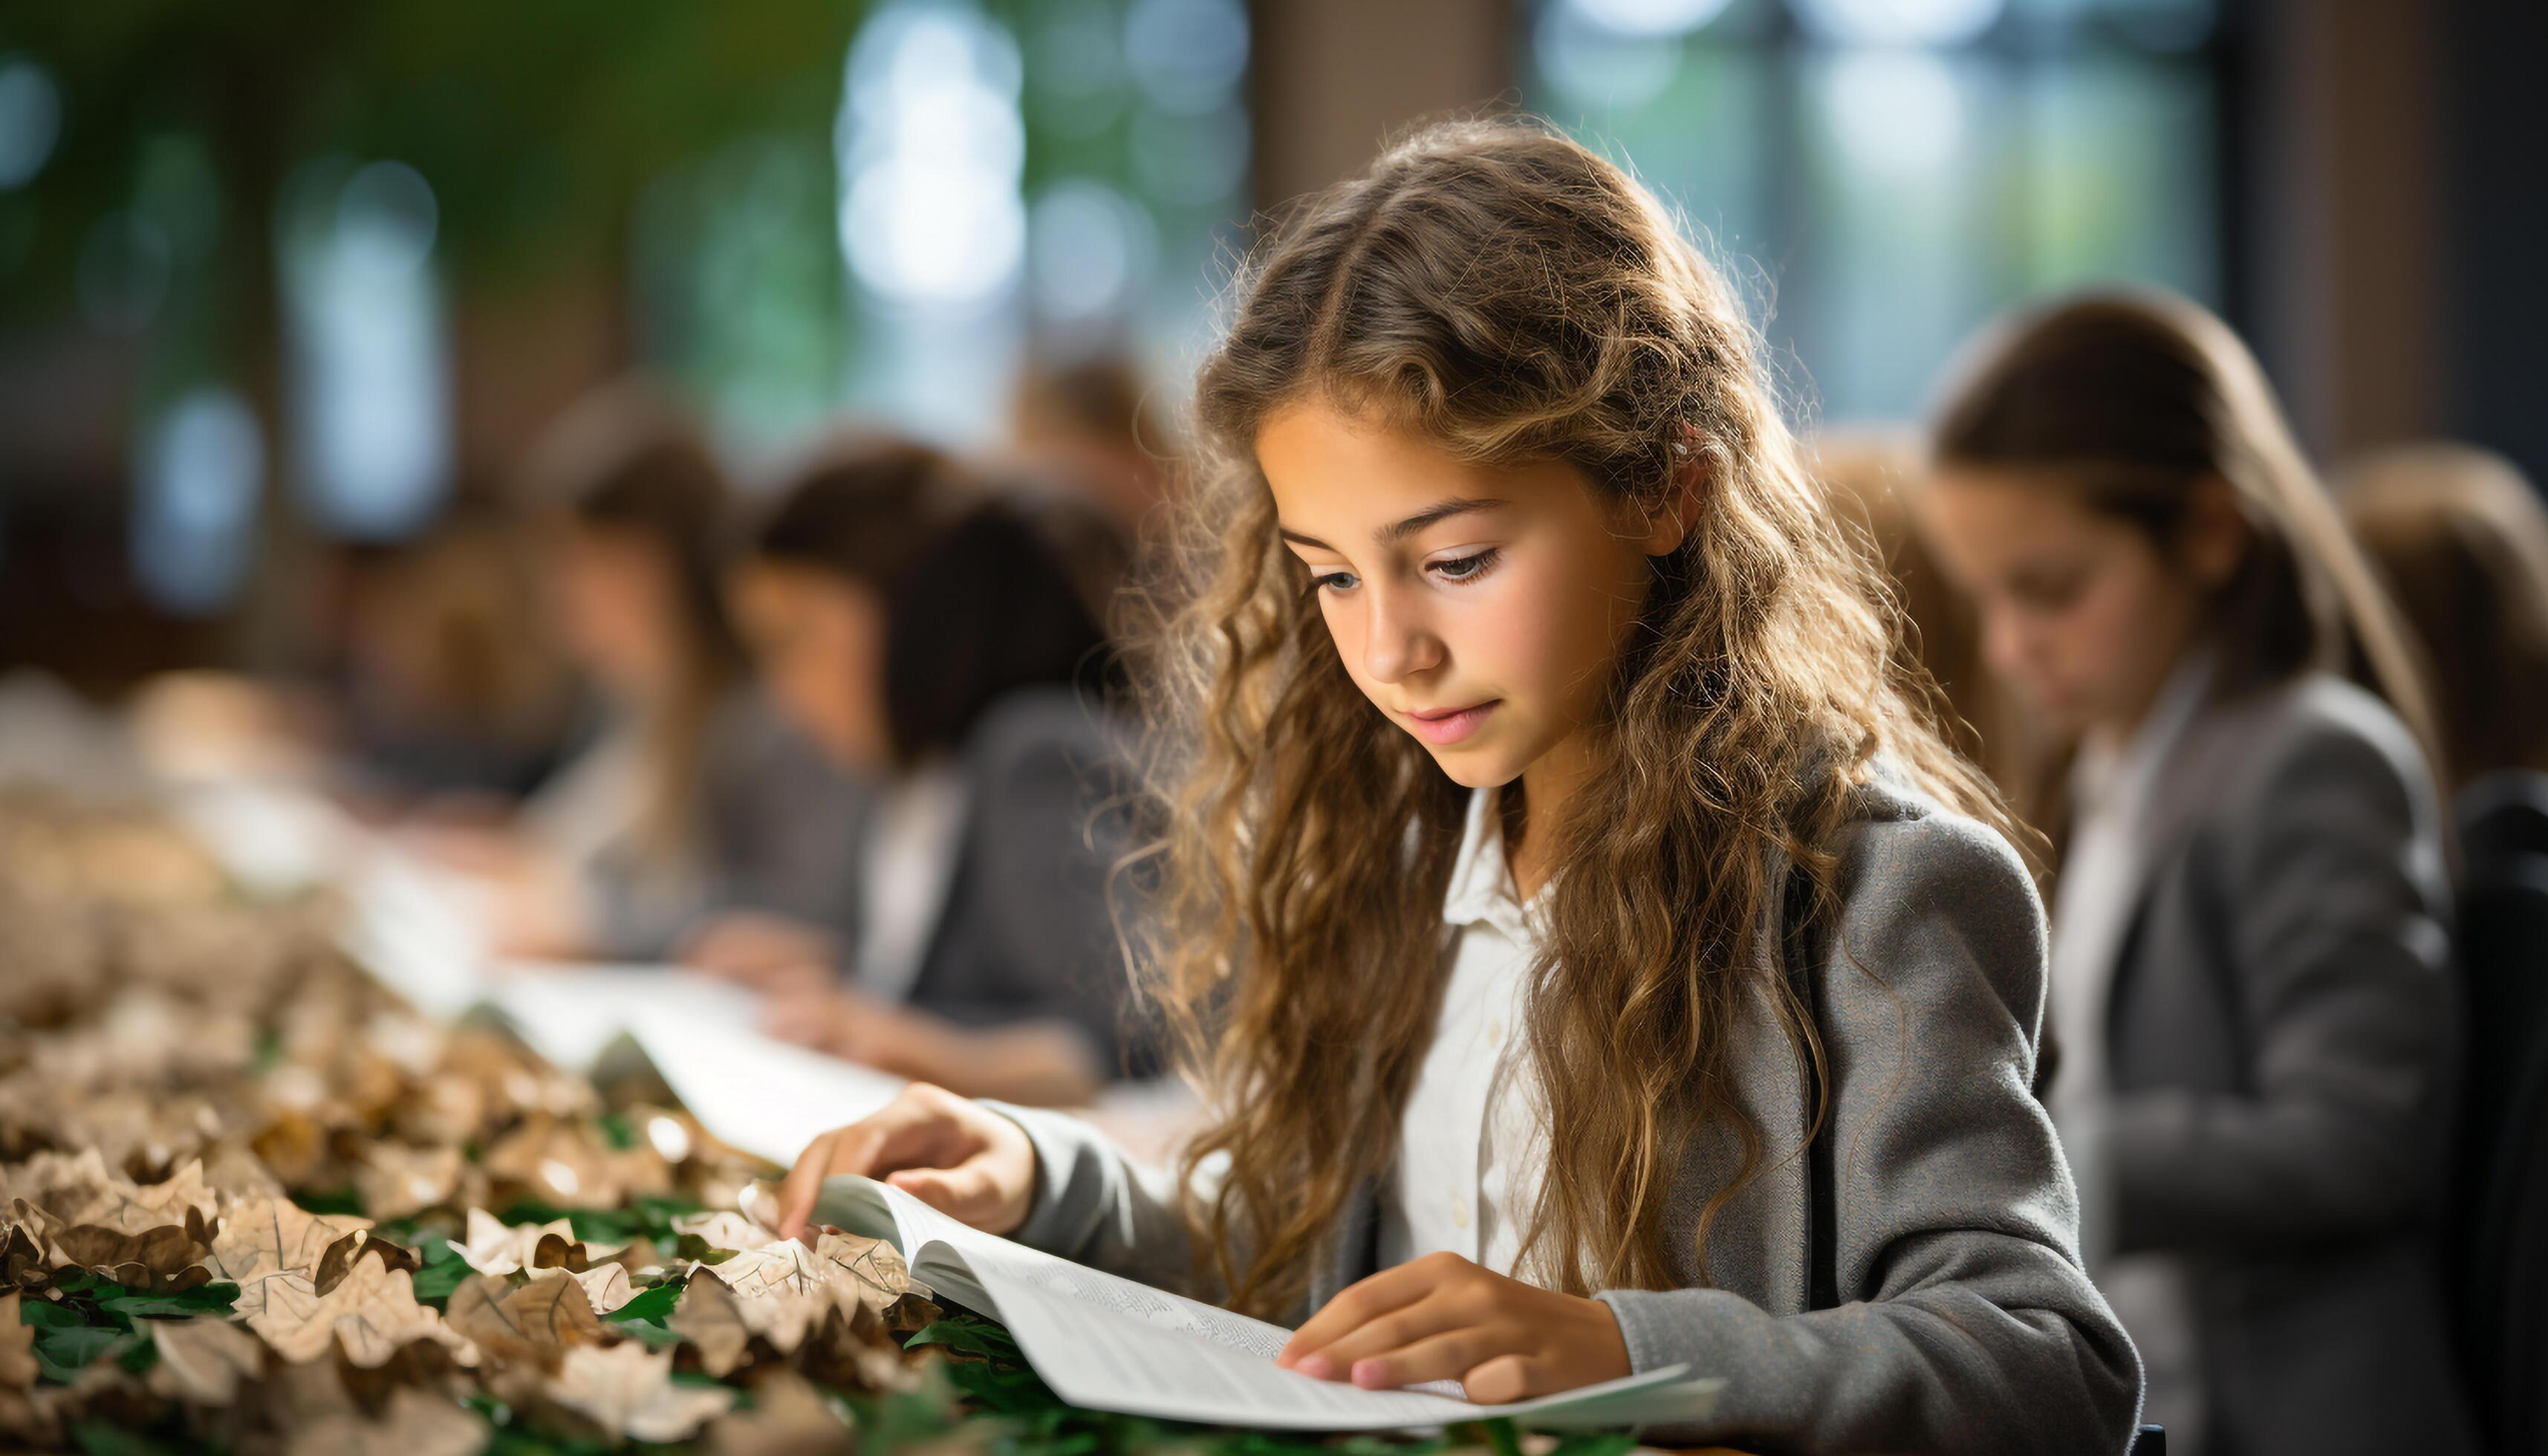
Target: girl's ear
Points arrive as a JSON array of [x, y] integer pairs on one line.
[[1667, 527], [2215, 535]]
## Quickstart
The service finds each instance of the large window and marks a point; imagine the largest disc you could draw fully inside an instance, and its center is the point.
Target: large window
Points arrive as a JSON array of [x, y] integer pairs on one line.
[[1883, 175], [1003, 182]]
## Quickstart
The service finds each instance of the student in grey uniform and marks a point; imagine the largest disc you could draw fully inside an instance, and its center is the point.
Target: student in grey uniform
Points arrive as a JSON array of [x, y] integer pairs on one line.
[[689, 797], [2252, 981], [916, 625]]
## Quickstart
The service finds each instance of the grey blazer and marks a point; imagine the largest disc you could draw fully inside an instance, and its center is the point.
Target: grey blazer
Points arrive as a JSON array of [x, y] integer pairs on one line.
[[2281, 1037], [1026, 932], [777, 829], [1911, 1281]]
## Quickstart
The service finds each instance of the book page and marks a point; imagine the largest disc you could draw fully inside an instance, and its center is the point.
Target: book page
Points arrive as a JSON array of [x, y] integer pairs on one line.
[[1111, 1343]]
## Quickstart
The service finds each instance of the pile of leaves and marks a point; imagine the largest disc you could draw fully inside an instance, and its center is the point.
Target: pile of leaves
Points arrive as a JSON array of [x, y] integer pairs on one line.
[[244, 1206]]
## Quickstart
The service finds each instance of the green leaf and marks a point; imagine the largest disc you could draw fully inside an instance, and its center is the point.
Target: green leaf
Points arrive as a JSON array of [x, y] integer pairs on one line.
[[653, 1336], [650, 1305], [1502, 1437], [97, 1439], [64, 1353], [336, 1201], [47, 1314], [204, 1299], [969, 1336]]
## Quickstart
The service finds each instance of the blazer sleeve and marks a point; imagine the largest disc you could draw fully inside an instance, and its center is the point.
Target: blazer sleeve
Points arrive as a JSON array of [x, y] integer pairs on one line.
[[1095, 1206], [2334, 929], [784, 827], [1964, 1319], [1047, 828]]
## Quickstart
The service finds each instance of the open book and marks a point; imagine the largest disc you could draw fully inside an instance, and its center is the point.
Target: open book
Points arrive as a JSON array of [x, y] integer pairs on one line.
[[1110, 1343]]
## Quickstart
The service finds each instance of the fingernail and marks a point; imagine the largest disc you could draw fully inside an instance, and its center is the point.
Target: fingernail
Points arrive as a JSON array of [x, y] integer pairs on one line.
[[1370, 1374], [1317, 1367]]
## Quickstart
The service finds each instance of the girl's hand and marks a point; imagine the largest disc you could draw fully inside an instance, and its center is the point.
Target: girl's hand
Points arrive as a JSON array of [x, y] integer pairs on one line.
[[860, 1028], [1444, 1317], [770, 953], [959, 1157]]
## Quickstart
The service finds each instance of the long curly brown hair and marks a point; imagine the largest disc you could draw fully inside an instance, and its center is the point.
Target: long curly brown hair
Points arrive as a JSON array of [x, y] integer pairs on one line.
[[1515, 296]]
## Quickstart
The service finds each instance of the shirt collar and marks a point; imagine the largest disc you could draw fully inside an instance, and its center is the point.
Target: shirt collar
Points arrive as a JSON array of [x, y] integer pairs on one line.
[[1482, 885], [2107, 770]]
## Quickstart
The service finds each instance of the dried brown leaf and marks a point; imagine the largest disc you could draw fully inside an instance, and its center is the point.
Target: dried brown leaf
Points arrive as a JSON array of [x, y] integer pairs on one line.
[[271, 1237], [415, 1422], [607, 1286], [202, 1361], [539, 1322], [371, 1316], [711, 1317], [18, 1368], [788, 1418], [629, 1391]]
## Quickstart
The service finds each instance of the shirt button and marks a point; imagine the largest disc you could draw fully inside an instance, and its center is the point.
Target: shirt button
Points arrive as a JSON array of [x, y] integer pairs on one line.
[[1460, 1212], [1494, 1033]]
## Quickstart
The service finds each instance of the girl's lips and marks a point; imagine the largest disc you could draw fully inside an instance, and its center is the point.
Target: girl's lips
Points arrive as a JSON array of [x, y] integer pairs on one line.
[[1450, 728]]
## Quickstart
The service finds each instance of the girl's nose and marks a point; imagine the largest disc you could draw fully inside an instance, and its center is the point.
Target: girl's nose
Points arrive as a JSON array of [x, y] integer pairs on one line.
[[1398, 643]]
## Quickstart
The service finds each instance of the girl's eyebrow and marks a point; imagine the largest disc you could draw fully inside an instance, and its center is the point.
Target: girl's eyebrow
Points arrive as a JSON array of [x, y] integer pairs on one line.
[[1440, 511]]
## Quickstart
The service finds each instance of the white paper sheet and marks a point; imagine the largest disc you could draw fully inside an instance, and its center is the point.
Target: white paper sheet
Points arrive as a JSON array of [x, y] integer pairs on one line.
[[1114, 1344], [569, 1011], [756, 1092]]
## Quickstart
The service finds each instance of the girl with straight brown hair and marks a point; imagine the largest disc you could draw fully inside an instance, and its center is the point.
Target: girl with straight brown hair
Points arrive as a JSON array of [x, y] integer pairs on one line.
[[2462, 539], [1591, 954], [2251, 965]]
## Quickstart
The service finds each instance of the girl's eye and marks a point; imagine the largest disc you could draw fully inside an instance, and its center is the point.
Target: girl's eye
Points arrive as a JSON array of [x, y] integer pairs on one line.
[[2050, 594], [1466, 568], [1333, 582]]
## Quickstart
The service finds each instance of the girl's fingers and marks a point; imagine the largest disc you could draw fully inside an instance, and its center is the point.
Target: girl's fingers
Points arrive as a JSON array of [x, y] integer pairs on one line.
[[805, 1184], [1446, 1355], [904, 1129], [1359, 1304], [962, 1193], [1502, 1380], [1386, 1334]]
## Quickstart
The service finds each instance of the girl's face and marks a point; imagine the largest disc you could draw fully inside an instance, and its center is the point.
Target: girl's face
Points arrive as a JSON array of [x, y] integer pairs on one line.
[[1479, 607], [615, 608], [2084, 613], [819, 640]]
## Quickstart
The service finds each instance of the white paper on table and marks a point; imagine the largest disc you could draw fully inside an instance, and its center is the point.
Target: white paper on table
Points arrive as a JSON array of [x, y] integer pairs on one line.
[[768, 1097], [420, 931], [1110, 1343], [569, 1011], [271, 838]]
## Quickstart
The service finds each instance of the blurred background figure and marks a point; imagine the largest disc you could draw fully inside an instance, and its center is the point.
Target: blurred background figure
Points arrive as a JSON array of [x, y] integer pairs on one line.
[[2462, 541], [2252, 980], [1871, 473], [687, 796], [920, 629], [446, 694]]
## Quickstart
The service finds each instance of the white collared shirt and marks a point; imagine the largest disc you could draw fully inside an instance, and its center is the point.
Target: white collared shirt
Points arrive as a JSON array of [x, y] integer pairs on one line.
[[2103, 869], [1470, 1150], [905, 870]]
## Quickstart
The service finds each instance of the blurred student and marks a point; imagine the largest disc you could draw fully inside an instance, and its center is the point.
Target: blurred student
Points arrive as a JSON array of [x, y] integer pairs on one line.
[[2250, 967], [2463, 542], [1871, 473], [691, 796], [920, 630], [444, 701]]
